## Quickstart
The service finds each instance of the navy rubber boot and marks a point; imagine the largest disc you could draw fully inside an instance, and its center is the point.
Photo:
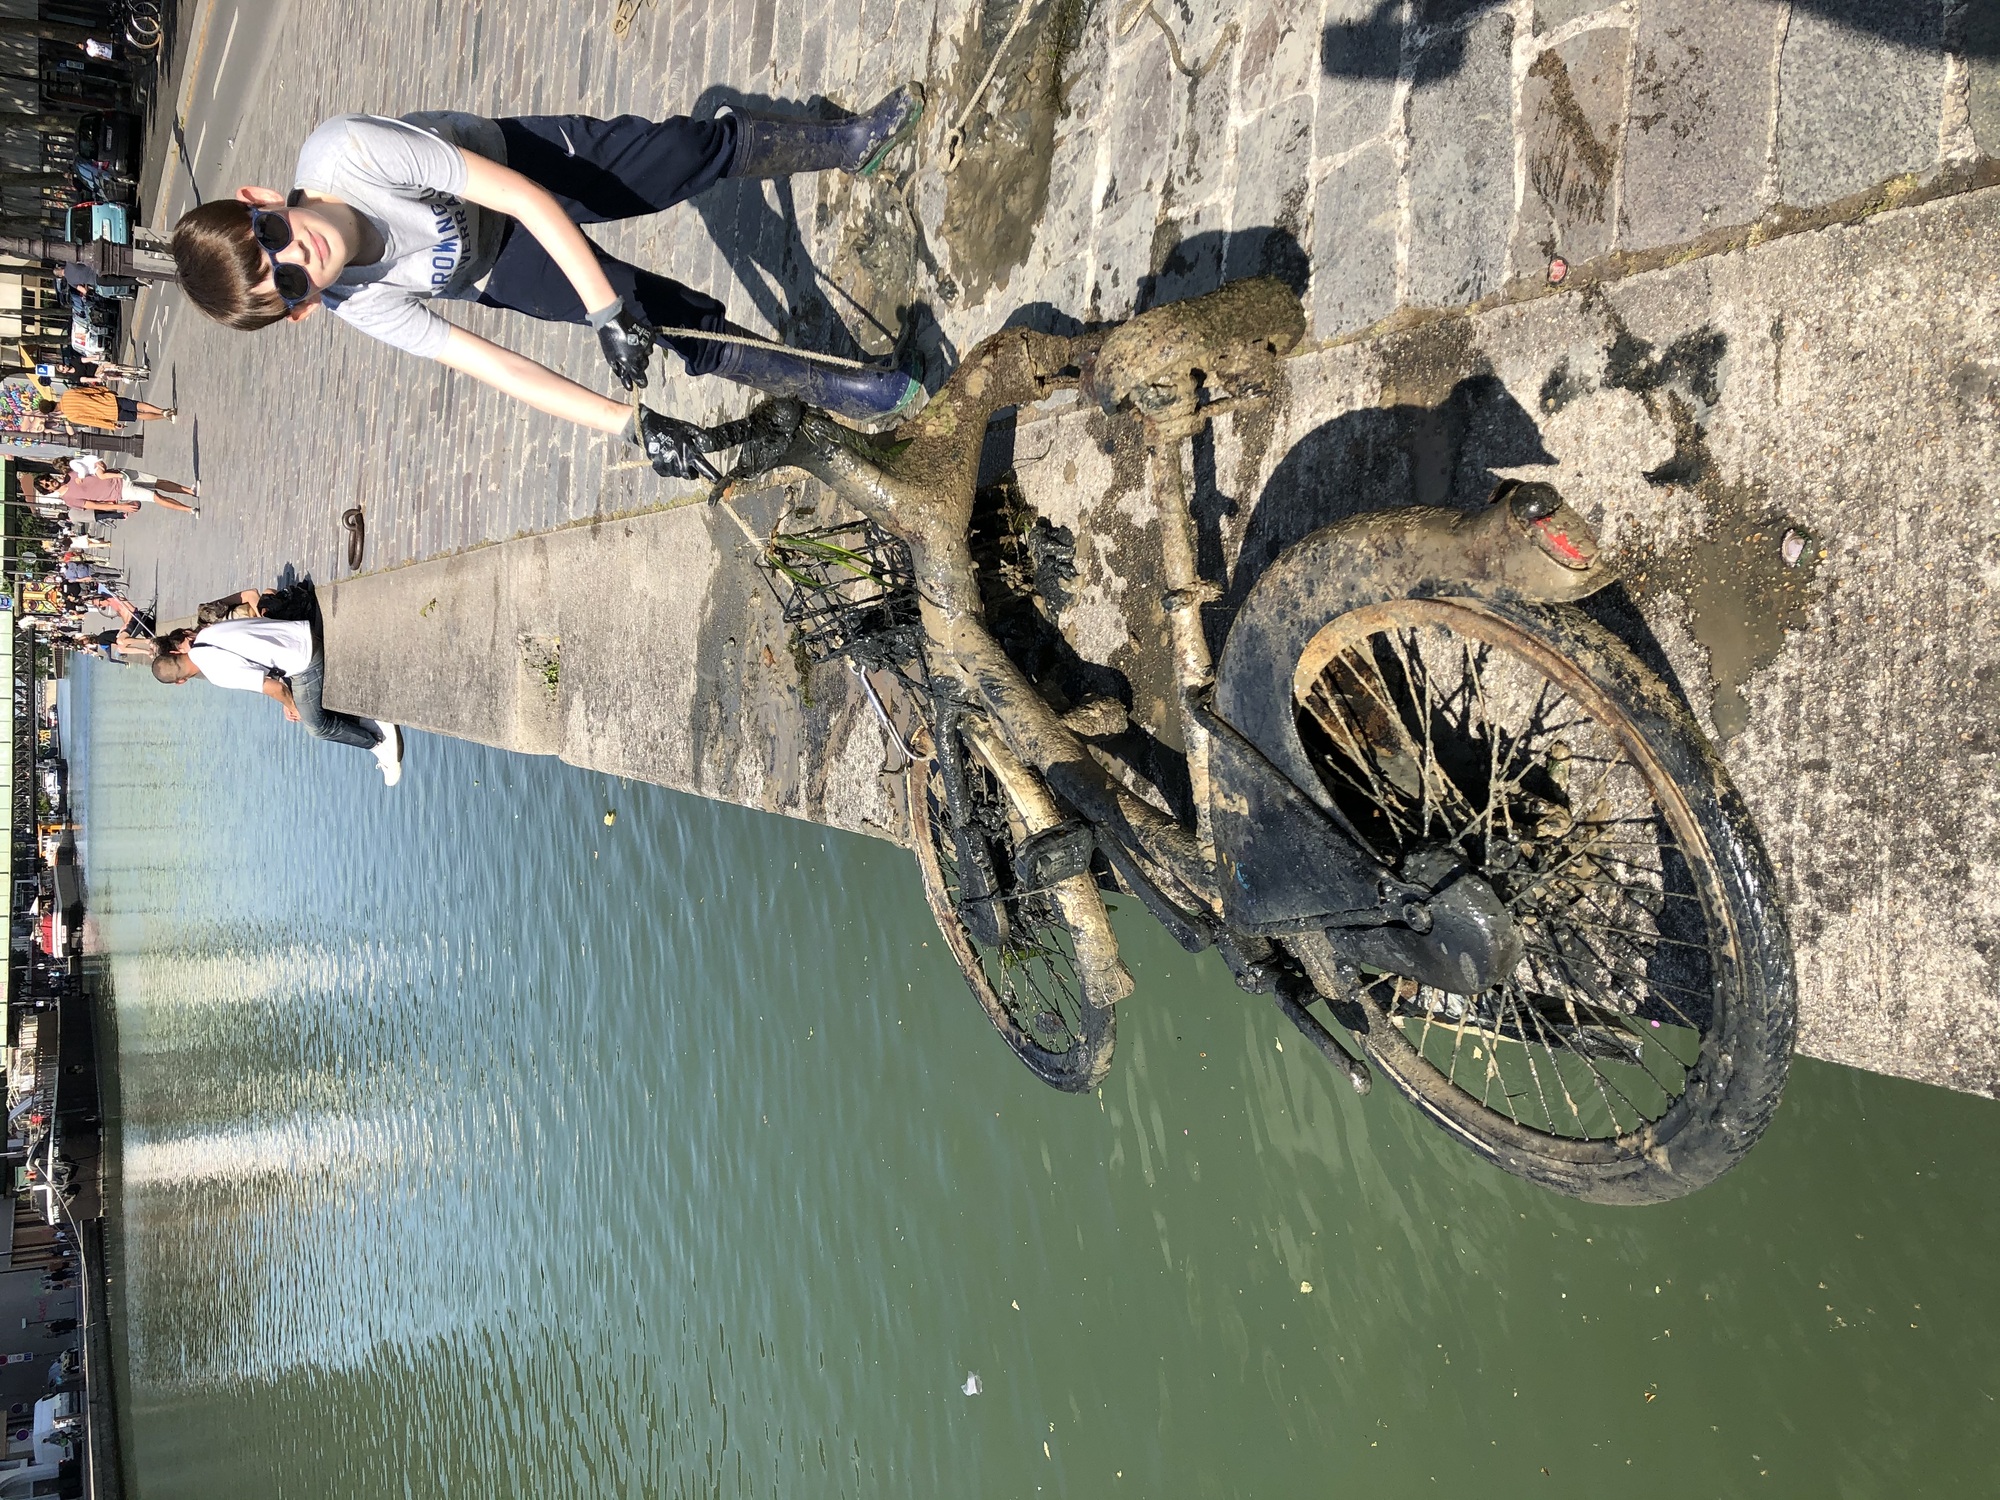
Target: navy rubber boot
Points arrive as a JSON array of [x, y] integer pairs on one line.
[[767, 147], [871, 395]]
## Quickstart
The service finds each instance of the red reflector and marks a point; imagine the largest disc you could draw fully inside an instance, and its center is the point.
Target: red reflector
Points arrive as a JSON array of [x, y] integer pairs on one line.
[[1559, 544]]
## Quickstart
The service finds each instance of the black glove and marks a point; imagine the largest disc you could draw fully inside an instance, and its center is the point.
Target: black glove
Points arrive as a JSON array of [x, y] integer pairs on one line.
[[627, 345], [673, 447]]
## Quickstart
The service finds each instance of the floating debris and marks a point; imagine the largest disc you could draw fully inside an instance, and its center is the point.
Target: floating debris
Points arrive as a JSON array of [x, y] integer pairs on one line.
[[972, 1387], [1306, 1287], [610, 818], [1794, 548]]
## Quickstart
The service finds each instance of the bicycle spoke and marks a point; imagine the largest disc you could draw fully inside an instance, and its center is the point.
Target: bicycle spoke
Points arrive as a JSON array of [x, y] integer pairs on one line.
[[1455, 742]]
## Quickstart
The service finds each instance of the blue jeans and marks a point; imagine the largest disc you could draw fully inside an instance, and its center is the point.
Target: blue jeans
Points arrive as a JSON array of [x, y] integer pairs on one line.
[[601, 170], [322, 722]]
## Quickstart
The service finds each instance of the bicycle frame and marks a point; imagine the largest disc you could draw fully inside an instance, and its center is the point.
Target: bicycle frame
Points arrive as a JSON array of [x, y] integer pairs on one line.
[[1269, 856]]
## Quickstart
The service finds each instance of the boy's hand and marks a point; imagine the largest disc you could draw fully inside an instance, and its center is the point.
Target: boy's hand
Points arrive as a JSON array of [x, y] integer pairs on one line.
[[627, 345], [672, 446]]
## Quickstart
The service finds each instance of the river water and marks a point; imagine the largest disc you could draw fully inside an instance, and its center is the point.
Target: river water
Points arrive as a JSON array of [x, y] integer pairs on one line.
[[471, 1146]]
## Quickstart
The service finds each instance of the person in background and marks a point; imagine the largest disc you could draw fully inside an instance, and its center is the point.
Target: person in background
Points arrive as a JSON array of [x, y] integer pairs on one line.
[[93, 406], [281, 659], [90, 486]]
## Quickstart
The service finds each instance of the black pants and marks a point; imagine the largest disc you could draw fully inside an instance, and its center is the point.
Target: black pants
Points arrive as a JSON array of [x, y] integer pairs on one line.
[[600, 170]]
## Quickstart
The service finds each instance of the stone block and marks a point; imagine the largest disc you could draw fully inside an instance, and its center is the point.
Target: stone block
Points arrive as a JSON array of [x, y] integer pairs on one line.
[[1572, 123], [812, 58], [788, 26], [877, 16], [1201, 164], [1145, 96], [691, 53], [1354, 244], [1982, 53], [1278, 53], [762, 19], [1461, 130], [1359, 57], [722, 59], [1123, 256], [1187, 255], [1433, 14], [1549, 14], [1065, 230], [1857, 104], [1699, 136], [1268, 214]]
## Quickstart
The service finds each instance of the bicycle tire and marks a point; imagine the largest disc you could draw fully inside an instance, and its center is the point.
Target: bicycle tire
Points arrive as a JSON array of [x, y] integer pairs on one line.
[[1049, 920], [142, 26], [1723, 1035]]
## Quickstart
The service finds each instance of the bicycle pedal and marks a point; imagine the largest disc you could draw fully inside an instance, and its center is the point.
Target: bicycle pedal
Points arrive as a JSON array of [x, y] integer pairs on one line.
[[1054, 855]]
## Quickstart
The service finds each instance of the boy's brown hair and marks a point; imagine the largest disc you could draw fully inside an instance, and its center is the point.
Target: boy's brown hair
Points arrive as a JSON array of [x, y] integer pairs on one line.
[[220, 265]]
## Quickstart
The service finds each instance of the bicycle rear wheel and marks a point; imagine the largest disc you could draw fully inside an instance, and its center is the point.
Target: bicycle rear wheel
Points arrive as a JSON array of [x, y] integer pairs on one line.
[[1018, 949], [1639, 1047]]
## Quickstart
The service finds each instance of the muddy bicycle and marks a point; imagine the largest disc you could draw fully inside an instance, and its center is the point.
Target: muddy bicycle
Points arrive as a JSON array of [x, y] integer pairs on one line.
[[1431, 805]]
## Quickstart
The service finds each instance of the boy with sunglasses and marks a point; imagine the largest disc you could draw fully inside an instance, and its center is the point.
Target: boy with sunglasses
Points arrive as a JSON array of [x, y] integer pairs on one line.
[[390, 214]]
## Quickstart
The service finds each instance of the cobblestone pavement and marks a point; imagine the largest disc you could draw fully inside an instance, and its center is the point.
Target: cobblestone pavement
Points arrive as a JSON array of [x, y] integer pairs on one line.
[[1389, 156]]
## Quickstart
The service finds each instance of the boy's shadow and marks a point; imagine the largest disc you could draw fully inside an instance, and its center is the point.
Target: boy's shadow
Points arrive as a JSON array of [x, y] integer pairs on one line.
[[767, 253]]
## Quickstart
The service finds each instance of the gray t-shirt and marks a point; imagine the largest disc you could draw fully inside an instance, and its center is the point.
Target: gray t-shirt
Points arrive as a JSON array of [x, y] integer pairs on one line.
[[404, 176]]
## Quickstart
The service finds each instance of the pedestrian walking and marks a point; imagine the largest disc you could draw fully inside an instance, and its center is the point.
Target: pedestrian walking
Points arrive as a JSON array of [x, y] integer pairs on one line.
[[94, 406], [387, 215], [90, 486]]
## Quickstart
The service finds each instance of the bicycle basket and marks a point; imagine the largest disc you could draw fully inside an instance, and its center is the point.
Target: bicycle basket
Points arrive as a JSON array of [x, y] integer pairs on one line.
[[847, 590]]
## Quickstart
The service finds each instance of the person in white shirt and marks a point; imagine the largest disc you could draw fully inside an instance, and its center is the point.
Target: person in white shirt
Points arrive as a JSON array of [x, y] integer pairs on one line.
[[281, 660]]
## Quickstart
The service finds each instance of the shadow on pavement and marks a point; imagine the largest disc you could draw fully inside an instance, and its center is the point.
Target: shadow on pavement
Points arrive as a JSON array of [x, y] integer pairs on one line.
[[763, 245], [1373, 46]]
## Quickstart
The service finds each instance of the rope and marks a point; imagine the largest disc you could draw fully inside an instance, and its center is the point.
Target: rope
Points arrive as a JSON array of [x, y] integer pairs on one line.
[[757, 341], [1141, 10], [954, 141]]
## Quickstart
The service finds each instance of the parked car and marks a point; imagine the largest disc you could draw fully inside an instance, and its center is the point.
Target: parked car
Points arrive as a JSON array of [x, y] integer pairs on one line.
[[98, 221], [109, 138]]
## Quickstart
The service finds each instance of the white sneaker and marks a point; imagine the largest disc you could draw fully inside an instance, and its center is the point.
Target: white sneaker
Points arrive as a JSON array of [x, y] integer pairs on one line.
[[389, 753]]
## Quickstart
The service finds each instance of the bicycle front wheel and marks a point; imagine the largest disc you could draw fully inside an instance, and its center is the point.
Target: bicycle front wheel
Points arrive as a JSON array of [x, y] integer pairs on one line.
[[1639, 1047], [1025, 955]]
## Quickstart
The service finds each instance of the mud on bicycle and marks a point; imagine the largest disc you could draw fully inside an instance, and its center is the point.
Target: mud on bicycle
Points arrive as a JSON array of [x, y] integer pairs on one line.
[[1451, 826]]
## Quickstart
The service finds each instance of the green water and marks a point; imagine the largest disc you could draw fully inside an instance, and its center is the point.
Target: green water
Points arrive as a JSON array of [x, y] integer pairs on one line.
[[472, 1147]]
